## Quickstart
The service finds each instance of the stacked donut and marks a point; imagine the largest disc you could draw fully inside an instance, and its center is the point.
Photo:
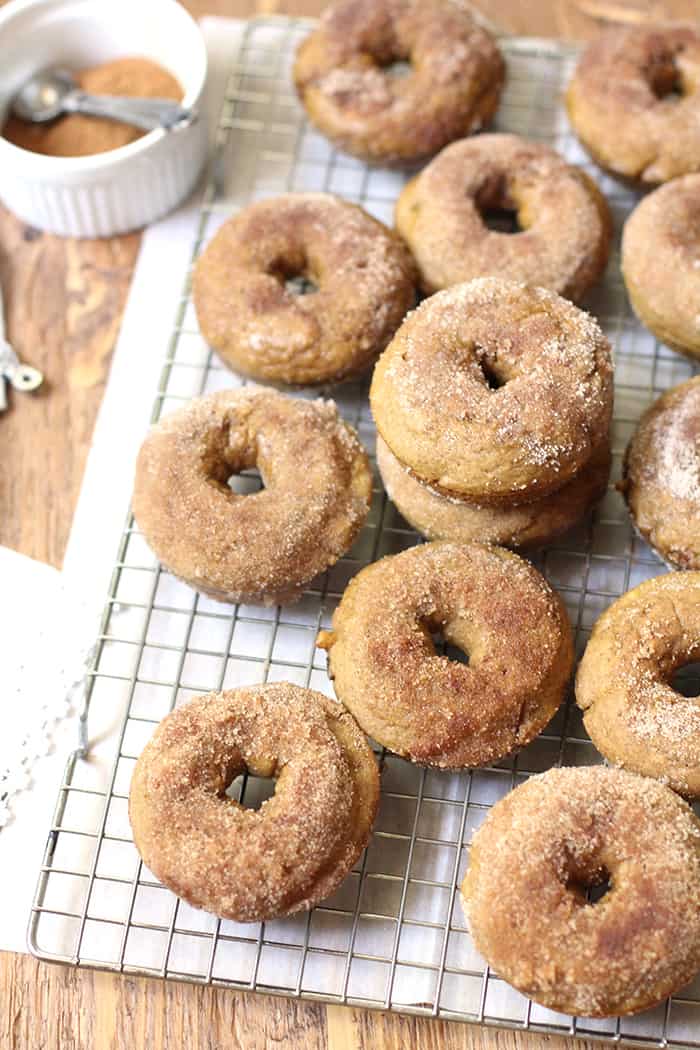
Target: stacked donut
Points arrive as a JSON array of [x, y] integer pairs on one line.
[[493, 405]]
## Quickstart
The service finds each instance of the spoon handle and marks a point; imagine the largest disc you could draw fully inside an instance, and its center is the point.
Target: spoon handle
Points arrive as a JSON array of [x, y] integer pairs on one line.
[[145, 113]]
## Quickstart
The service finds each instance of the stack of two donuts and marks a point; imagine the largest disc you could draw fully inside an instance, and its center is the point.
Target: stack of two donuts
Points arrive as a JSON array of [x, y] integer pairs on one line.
[[493, 405]]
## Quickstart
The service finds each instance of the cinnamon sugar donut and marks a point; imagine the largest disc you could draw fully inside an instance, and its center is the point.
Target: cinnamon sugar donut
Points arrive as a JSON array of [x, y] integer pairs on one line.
[[439, 517], [538, 850], [494, 391], [634, 100], [488, 602], [661, 475], [633, 714], [247, 308], [564, 221], [661, 263], [342, 77], [298, 847], [268, 545]]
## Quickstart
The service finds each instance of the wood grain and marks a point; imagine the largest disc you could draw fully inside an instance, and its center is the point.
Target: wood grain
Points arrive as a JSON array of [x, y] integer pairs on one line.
[[65, 300]]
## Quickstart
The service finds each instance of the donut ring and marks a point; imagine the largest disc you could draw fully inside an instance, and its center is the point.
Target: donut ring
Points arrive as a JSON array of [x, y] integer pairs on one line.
[[632, 713], [491, 604], [268, 545], [564, 219], [623, 100], [661, 263], [530, 861], [661, 472], [494, 391], [454, 86], [363, 274], [438, 517], [299, 846]]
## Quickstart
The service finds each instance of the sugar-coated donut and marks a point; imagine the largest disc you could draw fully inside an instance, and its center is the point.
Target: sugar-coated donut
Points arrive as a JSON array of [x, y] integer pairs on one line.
[[661, 475], [632, 713], [363, 275], [564, 220], [291, 853], [634, 100], [439, 517], [453, 87], [494, 391], [661, 262], [488, 602], [268, 545], [538, 850]]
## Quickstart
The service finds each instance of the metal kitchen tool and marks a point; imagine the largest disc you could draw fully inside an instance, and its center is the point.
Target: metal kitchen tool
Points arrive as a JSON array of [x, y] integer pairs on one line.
[[20, 377], [53, 92]]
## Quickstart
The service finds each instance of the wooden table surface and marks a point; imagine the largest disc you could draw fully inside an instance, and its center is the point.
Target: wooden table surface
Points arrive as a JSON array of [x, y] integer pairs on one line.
[[64, 302]]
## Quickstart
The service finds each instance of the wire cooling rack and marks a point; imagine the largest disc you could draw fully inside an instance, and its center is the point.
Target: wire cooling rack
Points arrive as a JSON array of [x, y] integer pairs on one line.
[[393, 936]]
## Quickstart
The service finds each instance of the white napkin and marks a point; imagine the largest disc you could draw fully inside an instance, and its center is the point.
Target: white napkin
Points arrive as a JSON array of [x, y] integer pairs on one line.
[[49, 620]]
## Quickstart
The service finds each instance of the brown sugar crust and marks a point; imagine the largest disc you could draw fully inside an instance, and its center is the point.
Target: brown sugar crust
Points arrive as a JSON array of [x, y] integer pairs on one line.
[[661, 262], [633, 714], [488, 602], [453, 87], [365, 280], [268, 545], [564, 221], [661, 475], [297, 848], [634, 100], [494, 391], [438, 517], [76, 135], [530, 861]]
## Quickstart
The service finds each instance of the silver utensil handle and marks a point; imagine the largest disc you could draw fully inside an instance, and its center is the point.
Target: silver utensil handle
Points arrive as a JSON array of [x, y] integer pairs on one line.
[[145, 113], [3, 334]]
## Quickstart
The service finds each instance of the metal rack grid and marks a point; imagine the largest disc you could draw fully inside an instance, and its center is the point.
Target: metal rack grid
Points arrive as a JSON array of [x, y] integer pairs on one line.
[[393, 936]]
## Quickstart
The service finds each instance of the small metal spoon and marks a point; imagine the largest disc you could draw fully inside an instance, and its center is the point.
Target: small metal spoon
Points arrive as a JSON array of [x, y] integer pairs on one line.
[[52, 92], [21, 377]]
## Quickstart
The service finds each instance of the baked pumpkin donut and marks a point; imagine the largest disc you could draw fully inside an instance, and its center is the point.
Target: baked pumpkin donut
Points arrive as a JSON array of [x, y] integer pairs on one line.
[[440, 517], [661, 475], [494, 391], [268, 545], [634, 100], [492, 605], [343, 78], [248, 310], [530, 863], [564, 221], [285, 857], [632, 713], [661, 262]]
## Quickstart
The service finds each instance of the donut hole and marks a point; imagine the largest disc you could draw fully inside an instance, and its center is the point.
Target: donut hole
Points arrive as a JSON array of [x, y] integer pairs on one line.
[[390, 58], [494, 374], [397, 69], [295, 275], [246, 482], [249, 790], [589, 888], [234, 474], [665, 78], [442, 644], [686, 680], [494, 380], [501, 220], [300, 284], [497, 209]]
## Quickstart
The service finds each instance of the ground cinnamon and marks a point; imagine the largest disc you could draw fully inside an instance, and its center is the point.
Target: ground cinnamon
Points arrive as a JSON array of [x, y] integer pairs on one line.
[[80, 136]]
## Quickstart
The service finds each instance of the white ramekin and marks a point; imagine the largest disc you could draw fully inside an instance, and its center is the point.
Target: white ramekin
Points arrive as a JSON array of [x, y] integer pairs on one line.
[[127, 187]]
